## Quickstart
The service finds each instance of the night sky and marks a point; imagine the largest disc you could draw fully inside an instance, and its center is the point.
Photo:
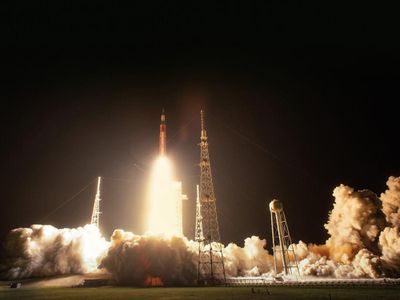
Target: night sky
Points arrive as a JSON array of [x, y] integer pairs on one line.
[[297, 100]]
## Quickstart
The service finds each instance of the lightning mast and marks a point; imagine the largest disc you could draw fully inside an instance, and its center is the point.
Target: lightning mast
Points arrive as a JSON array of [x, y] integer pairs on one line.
[[96, 207], [211, 269]]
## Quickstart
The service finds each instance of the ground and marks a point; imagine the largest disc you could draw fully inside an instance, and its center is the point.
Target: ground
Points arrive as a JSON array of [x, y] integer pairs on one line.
[[232, 293]]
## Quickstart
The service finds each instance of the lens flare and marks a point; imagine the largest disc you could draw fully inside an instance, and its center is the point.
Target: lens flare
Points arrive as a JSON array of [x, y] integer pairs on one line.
[[164, 214]]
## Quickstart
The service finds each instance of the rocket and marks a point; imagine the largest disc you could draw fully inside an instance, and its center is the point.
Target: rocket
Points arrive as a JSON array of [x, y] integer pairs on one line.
[[163, 135]]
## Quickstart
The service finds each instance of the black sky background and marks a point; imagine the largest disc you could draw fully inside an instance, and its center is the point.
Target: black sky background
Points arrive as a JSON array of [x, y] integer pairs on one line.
[[297, 100]]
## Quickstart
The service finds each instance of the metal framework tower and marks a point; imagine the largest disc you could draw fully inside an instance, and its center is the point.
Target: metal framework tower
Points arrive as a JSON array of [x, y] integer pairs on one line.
[[199, 220], [96, 207], [211, 269], [285, 259]]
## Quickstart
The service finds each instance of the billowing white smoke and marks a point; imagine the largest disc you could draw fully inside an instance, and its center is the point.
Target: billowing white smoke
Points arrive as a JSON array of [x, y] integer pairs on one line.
[[44, 250], [389, 240], [391, 201], [251, 260], [354, 223], [364, 236], [364, 242], [314, 263], [134, 259], [361, 245]]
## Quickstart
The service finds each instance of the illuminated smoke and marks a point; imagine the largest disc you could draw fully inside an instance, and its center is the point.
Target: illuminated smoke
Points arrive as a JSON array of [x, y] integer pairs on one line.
[[354, 223], [364, 242], [391, 201], [43, 250], [364, 236], [314, 263], [251, 260], [132, 259], [389, 240]]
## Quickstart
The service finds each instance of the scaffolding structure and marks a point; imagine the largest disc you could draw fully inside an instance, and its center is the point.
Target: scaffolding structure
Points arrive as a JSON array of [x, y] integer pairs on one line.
[[198, 236], [211, 268]]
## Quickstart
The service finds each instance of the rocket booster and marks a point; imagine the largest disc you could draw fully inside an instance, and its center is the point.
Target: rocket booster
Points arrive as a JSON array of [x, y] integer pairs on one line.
[[163, 135]]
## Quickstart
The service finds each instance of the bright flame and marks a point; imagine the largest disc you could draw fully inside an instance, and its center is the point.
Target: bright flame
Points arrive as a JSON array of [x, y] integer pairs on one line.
[[164, 200], [93, 247]]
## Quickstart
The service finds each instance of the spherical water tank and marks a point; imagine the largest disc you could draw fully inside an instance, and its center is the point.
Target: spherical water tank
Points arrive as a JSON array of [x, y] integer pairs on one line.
[[275, 206]]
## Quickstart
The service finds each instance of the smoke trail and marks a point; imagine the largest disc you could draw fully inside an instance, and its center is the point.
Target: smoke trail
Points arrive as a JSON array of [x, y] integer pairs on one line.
[[44, 250]]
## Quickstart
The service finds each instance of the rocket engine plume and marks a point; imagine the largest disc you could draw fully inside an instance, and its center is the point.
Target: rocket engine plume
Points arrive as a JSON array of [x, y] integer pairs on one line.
[[162, 201]]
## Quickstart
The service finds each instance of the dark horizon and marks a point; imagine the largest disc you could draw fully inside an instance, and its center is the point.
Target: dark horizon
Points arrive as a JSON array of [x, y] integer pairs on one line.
[[287, 118]]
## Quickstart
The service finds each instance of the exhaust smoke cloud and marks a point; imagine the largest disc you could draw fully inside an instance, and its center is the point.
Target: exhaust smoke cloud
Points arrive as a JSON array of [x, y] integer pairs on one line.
[[364, 236], [364, 242], [133, 259], [43, 250]]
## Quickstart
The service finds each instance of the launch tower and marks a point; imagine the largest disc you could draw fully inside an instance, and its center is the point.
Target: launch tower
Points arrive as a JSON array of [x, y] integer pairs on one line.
[[211, 269], [96, 207], [284, 253]]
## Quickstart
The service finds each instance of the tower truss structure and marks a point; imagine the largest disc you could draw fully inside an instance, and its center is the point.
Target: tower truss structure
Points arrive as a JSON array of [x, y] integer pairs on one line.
[[95, 220], [285, 259], [211, 269], [199, 236]]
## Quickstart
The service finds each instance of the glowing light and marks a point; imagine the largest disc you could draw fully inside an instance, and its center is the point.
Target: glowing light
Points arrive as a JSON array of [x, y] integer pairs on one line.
[[165, 196], [93, 247]]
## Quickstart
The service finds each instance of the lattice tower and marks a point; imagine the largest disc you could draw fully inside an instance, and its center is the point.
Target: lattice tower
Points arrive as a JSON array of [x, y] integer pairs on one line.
[[211, 269]]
